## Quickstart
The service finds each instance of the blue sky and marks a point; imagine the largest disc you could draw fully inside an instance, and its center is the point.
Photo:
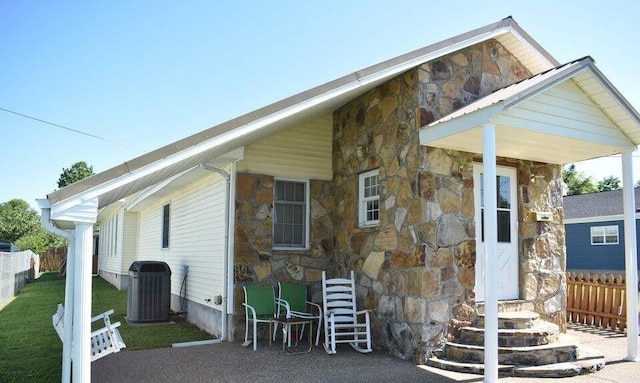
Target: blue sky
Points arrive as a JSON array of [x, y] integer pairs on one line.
[[147, 73]]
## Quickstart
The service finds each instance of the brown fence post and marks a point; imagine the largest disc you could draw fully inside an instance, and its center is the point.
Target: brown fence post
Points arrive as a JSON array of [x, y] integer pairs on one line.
[[570, 296], [621, 310]]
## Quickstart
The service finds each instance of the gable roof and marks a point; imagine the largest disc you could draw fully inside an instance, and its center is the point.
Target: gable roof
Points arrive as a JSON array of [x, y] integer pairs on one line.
[[596, 205], [163, 163], [566, 114]]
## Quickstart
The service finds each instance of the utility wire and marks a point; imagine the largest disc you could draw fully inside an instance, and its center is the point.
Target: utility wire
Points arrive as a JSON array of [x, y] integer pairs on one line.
[[133, 147], [71, 130]]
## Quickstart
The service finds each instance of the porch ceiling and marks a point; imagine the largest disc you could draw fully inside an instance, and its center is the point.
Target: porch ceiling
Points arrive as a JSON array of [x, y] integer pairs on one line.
[[566, 114]]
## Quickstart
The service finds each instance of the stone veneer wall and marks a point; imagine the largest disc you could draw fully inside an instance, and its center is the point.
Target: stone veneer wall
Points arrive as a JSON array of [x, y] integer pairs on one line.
[[416, 270], [543, 259], [255, 261]]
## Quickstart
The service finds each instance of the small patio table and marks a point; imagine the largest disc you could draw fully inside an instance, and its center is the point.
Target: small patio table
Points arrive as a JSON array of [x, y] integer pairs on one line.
[[287, 324]]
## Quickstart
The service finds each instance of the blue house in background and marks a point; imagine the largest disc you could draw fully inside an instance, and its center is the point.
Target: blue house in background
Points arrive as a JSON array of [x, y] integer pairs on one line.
[[594, 225]]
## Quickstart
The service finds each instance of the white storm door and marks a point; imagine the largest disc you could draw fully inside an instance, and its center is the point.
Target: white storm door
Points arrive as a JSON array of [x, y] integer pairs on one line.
[[507, 232]]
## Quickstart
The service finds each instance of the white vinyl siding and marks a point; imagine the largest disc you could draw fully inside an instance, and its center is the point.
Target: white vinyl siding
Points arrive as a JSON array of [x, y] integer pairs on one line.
[[565, 112], [604, 235], [197, 237], [129, 240], [304, 151], [558, 125]]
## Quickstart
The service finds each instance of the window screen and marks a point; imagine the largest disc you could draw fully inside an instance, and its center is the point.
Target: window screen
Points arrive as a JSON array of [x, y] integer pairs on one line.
[[290, 216]]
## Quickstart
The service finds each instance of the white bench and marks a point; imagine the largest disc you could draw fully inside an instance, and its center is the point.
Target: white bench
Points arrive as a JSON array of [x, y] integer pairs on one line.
[[104, 341]]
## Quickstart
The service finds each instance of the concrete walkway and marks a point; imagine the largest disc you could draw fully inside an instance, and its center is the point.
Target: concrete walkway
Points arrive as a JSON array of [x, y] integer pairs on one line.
[[230, 362]]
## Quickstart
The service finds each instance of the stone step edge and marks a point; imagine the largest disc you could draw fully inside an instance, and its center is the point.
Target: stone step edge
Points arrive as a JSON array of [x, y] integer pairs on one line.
[[550, 328], [473, 368], [550, 346], [508, 306], [515, 315], [555, 370]]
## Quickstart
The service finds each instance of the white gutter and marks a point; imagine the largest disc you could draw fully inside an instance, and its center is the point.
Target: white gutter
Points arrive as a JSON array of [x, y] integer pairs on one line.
[[225, 263], [45, 221]]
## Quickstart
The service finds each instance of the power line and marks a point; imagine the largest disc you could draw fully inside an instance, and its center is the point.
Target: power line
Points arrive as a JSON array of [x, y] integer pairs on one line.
[[71, 130]]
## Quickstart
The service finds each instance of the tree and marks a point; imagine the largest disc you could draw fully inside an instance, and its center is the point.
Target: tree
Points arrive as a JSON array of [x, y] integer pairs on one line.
[[40, 241], [17, 219], [609, 183], [577, 182], [75, 173], [20, 224]]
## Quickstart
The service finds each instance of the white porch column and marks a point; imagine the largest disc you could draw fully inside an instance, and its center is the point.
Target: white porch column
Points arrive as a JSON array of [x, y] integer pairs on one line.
[[490, 253], [82, 303], [67, 320], [631, 260], [68, 310]]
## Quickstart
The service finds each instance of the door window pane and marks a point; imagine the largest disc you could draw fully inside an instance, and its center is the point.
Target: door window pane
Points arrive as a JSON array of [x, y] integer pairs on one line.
[[503, 189], [504, 226]]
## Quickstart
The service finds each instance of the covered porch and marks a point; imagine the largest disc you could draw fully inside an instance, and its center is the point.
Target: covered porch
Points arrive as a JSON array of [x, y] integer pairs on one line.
[[564, 115]]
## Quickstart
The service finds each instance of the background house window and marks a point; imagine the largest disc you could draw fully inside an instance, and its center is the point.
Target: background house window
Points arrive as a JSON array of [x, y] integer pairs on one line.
[[291, 207], [604, 235], [369, 198], [165, 225]]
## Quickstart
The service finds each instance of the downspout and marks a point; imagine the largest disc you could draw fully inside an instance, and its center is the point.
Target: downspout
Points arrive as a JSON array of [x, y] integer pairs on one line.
[[45, 221], [225, 262]]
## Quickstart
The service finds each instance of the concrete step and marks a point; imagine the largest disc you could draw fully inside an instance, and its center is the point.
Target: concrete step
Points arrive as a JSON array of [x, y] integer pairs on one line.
[[512, 320], [542, 333], [466, 367], [506, 306], [554, 370], [558, 352]]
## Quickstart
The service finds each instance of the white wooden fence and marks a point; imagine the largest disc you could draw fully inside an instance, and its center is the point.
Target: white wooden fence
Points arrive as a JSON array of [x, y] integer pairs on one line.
[[15, 270]]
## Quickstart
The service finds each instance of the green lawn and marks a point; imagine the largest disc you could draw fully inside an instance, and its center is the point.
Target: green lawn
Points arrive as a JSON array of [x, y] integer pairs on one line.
[[30, 350]]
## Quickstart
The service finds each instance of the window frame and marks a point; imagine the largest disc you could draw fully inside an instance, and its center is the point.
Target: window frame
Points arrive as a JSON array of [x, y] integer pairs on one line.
[[362, 200], [306, 218], [165, 224], [604, 235]]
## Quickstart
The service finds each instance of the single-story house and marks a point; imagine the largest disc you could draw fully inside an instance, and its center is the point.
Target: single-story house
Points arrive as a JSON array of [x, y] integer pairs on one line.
[[594, 231], [381, 172]]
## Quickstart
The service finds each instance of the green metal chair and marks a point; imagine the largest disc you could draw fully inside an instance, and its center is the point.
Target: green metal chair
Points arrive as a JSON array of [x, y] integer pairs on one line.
[[260, 307], [292, 303]]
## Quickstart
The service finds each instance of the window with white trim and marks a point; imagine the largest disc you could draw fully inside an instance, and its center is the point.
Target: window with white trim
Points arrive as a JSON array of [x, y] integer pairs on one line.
[[109, 236], [604, 235], [166, 220], [291, 214], [369, 198]]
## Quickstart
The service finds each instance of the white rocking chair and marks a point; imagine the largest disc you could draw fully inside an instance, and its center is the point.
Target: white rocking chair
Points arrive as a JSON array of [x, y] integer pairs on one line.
[[341, 317]]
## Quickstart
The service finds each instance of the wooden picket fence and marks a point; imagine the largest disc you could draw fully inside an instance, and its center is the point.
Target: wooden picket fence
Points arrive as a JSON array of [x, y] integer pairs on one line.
[[596, 300]]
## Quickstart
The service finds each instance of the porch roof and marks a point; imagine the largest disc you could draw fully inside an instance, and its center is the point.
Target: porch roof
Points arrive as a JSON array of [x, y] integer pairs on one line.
[[566, 114]]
